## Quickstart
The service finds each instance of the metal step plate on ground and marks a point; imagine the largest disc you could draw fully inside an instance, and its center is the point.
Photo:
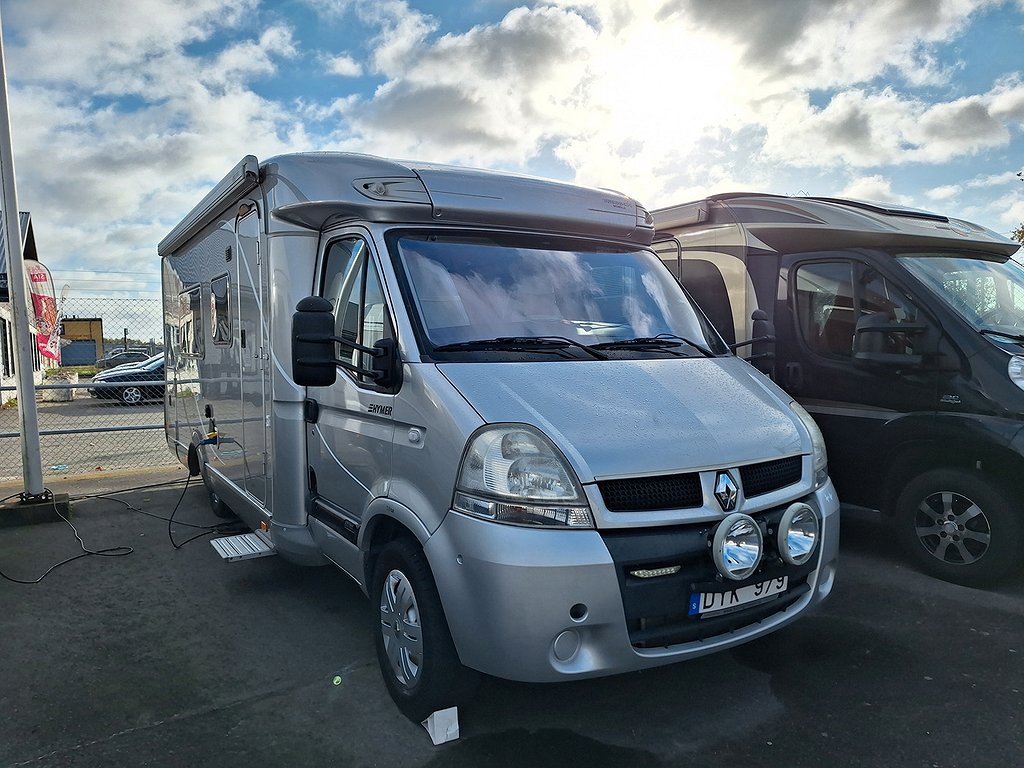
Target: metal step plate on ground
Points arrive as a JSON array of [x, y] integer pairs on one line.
[[244, 546]]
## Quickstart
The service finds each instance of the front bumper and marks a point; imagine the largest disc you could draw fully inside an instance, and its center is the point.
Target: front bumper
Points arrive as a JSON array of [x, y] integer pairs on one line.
[[548, 605]]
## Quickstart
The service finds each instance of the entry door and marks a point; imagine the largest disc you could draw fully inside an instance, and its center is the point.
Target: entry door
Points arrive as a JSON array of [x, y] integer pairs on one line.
[[254, 357], [851, 402], [350, 443]]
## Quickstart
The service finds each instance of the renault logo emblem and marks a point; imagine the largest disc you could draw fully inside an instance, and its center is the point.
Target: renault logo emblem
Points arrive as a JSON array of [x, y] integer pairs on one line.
[[726, 491]]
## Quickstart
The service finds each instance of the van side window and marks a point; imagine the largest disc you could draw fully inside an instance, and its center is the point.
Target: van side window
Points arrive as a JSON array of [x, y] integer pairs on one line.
[[190, 322], [825, 308], [832, 296], [220, 314], [352, 285]]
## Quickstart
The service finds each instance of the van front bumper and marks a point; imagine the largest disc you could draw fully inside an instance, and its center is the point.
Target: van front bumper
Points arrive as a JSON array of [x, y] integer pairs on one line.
[[541, 605]]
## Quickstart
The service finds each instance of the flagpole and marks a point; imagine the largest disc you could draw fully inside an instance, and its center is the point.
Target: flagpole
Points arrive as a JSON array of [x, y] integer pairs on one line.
[[31, 458]]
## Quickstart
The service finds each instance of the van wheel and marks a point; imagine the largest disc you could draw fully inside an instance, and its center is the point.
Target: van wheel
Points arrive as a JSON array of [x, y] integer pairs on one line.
[[217, 504], [417, 657], [959, 527]]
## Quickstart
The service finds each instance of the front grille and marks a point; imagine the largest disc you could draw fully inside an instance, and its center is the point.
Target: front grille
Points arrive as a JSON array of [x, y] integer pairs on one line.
[[637, 494], [656, 608], [770, 475]]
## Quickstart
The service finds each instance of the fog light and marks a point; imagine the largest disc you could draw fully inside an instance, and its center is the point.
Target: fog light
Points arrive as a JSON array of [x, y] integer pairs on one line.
[[737, 546], [798, 533]]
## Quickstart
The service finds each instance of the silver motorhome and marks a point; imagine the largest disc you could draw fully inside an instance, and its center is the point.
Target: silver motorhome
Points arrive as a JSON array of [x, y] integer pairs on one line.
[[483, 398]]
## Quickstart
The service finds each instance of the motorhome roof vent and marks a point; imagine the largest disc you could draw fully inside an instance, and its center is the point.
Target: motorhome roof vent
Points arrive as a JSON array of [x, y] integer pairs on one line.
[[400, 190]]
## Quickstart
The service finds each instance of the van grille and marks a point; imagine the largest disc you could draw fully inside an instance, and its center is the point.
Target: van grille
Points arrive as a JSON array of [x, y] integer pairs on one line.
[[637, 494], [770, 475]]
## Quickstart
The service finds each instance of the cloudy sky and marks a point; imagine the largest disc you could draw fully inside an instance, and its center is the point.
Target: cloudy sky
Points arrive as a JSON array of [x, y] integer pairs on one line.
[[124, 113]]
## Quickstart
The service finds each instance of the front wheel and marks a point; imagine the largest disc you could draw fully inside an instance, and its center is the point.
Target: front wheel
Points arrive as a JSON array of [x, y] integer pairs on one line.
[[417, 657], [959, 527]]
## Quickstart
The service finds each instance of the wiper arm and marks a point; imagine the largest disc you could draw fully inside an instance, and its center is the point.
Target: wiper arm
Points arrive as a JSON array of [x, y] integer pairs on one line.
[[662, 340], [1004, 334], [530, 343]]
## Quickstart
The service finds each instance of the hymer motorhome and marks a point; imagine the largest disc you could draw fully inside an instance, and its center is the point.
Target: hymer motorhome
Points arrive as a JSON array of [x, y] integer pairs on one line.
[[902, 333], [483, 398]]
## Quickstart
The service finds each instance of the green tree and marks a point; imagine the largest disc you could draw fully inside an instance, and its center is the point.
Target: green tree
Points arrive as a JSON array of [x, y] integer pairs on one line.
[[1018, 233]]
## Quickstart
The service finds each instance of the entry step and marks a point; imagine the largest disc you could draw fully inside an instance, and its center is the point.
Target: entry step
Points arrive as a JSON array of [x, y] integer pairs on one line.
[[244, 546]]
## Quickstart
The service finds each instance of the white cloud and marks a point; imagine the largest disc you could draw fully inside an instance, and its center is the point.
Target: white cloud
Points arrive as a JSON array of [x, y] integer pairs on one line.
[[874, 188], [944, 192], [344, 66]]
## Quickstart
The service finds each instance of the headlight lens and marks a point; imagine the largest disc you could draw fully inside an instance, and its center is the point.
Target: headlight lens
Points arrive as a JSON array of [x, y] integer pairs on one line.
[[513, 474], [798, 533], [737, 546], [1016, 370], [820, 457]]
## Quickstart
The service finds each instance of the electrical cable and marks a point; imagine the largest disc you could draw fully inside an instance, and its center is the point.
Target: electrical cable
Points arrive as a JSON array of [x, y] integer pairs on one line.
[[122, 551], [86, 552]]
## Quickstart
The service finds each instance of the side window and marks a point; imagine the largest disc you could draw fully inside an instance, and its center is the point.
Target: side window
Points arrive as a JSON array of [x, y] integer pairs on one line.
[[825, 307], [831, 297], [190, 322], [220, 314], [352, 285]]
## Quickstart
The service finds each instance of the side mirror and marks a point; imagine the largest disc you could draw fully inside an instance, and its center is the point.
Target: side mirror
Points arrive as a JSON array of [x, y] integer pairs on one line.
[[312, 348], [762, 343], [881, 341], [313, 340]]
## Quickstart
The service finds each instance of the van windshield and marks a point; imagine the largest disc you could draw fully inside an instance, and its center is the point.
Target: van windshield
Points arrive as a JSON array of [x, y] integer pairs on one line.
[[489, 291], [988, 292]]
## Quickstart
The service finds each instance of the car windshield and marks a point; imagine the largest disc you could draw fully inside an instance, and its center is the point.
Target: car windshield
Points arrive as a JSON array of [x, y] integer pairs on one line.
[[522, 293], [986, 290]]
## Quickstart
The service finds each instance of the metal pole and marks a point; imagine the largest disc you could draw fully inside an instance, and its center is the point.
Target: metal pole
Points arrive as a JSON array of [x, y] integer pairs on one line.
[[31, 458]]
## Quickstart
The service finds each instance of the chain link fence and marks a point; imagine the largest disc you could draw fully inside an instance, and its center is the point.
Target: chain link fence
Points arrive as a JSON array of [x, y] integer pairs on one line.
[[93, 416]]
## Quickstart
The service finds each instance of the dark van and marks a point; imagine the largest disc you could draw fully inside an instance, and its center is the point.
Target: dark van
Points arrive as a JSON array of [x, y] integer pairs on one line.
[[902, 333]]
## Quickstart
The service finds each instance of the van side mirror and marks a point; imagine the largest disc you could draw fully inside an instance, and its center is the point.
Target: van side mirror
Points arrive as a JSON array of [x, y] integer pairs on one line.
[[762, 343], [313, 340], [881, 341]]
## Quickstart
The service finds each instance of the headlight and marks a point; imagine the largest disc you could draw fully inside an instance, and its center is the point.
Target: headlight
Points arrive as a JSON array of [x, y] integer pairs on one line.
[[820, 457], [798, 533], [737, 546], [1016, 370], [513, 474]]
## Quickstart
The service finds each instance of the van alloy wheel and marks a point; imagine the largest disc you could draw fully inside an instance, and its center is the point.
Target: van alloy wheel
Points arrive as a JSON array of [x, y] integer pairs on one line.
[[960, 526], [952, 528]]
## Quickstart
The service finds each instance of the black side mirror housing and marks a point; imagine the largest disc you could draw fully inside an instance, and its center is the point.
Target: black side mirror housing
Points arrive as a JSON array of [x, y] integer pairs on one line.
[[312, 349], [762, 343], [880, 341], [313, 340]]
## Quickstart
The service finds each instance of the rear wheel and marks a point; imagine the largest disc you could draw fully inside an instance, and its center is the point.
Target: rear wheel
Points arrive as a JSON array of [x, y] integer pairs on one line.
[[417, 657], [959, 527]]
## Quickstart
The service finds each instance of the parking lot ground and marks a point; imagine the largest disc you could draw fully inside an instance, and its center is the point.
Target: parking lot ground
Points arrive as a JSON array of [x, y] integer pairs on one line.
[[172, 657]]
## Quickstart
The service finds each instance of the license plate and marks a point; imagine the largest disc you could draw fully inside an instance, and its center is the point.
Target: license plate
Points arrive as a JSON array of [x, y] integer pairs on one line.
[[702, 603]]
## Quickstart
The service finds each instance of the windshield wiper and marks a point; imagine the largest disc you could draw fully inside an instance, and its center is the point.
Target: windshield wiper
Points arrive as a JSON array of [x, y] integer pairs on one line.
[[662, 341], [1004, 334], [527, 343]]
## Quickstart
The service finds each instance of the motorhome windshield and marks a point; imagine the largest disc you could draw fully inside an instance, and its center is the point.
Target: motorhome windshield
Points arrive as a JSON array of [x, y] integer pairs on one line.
[[987, 292], [469, 289]]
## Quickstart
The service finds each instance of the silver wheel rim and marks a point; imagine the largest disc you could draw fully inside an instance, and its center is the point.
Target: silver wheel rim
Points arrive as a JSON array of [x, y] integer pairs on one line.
[[952, 528], [132, 395], [400, 628]]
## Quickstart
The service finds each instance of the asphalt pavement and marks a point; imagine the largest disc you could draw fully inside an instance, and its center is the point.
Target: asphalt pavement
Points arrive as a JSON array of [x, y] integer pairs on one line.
[[165, 656]]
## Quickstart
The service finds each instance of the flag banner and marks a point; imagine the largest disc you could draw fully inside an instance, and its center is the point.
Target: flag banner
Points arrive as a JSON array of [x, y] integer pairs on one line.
[[44, 309]]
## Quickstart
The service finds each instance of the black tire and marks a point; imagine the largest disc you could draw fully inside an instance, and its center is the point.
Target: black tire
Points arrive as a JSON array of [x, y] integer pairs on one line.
[[960, 527], [217, 504], [417, 657]]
